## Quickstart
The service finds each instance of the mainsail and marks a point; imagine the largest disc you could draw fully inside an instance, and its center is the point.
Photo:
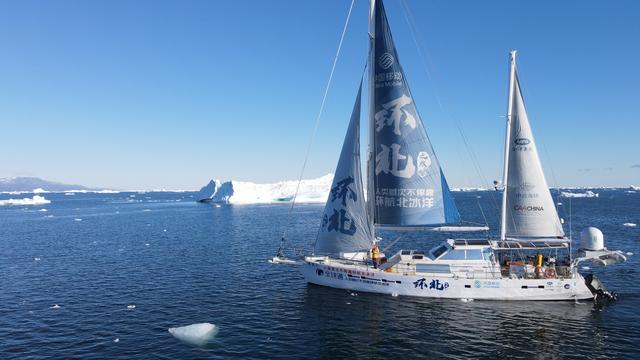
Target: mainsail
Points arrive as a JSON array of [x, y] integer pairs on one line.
[[345, 226], [528, 208], [410, 188]]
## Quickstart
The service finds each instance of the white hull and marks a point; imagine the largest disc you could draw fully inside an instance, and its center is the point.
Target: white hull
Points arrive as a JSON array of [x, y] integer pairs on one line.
[[364, 278]]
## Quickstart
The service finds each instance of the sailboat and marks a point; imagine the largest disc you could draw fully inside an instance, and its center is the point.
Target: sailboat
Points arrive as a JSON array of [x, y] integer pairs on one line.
[[407, 191]]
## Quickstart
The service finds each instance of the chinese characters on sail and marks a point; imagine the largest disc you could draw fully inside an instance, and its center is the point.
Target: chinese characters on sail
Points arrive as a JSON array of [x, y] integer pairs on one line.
[[340, 220]]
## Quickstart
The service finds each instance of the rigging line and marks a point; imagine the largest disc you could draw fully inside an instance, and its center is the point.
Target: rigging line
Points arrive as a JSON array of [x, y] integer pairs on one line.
[[316, 125], [474, 159]]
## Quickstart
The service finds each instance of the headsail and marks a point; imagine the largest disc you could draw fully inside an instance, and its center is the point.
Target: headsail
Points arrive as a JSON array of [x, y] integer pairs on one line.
[[409, 186], [528, 208], [345, 226]]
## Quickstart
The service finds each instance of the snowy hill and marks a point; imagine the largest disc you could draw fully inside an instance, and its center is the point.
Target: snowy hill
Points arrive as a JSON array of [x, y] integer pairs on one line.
[[241, 192], [28, 184]]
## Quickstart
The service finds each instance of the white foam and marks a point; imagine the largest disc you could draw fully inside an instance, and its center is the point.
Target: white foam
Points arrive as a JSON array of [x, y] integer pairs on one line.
[[195, 334], [36, 200], [629, 225]]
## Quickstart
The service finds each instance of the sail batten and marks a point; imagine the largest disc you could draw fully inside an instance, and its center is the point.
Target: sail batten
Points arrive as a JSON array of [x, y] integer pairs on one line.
[[528, 208], [409, 186], [345, 223]]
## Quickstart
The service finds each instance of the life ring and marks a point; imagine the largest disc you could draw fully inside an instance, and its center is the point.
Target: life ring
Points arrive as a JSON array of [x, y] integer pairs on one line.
[[550, 273]]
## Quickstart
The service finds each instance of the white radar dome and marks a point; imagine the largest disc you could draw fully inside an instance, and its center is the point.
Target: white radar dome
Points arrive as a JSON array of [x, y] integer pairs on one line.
[[591, 238]]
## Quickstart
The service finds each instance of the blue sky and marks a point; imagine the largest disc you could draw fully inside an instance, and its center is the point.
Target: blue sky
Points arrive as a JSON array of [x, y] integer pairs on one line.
[[167, 94]]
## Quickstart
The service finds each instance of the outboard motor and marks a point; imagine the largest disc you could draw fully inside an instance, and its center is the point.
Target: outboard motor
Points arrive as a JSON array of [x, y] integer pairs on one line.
[[598, 291]]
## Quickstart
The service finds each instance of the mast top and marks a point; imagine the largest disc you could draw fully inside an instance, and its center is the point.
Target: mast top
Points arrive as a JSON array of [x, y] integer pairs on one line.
[[512, 54]]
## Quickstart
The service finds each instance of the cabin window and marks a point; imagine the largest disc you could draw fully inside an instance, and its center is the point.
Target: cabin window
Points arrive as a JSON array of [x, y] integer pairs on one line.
[[405, 252], [433, 268], [453, 255], [439, 251], [474, 254]]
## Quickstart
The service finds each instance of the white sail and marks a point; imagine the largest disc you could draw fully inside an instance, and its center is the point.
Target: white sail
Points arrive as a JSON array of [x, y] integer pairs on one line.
[[528, 209], [345, 224]]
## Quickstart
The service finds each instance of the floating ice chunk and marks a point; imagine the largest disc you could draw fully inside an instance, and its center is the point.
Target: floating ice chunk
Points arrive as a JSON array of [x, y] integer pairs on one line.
[[629, 225], [49, 216], [585, 268], [39, 191], [43, 210], [145, 210], [165, 230], [195, 334], [69, 194], [147, 244], [36, 259], [35, 200], [629, 253], [348, 303], [218, 205], [55, 306], [466, 299], [77, 219], [116, 340], [131, 307]]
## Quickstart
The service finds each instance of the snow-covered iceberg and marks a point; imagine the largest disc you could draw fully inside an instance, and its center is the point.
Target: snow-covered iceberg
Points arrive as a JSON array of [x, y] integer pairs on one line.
[[208, 191], [36, 200], [195, 334], [586, 194], [241, 192]]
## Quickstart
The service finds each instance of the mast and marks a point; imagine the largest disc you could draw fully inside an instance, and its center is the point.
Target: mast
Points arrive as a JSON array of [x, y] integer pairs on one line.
[[371, 128], [507, 140]]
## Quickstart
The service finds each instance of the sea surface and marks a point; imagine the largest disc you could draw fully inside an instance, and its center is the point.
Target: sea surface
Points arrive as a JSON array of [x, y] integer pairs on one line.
[[124, 268]]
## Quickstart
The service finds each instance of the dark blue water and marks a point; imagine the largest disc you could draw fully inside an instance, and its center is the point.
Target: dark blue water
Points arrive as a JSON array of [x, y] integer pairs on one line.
[[180, 263]]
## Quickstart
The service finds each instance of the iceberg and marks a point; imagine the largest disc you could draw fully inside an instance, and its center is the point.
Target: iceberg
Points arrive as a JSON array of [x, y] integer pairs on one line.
[[208, 191], [195, 334], [36, 200], [586, 194], [241, 192]]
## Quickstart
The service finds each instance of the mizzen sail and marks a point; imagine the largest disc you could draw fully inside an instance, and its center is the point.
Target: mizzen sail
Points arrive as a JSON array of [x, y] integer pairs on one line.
[[345, 225], [410, 188], [528, 208]]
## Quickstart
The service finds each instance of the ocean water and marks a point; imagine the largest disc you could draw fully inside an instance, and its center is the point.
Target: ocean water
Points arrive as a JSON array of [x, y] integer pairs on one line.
[[124, 268]]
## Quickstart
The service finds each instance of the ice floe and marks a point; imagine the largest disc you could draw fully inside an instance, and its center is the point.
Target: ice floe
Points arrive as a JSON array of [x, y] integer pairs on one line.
[[629, 225], [586, 194], [77, 219], [43, 210], [35, 200], [131, 307], [195, 334], [55, 306], [629, 253]]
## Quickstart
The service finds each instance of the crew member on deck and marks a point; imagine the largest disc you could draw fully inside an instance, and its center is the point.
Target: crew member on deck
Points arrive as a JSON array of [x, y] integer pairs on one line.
[[375, 256]]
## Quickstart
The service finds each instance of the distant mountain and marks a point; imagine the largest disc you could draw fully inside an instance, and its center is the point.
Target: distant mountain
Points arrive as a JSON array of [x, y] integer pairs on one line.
[[30, 183]]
